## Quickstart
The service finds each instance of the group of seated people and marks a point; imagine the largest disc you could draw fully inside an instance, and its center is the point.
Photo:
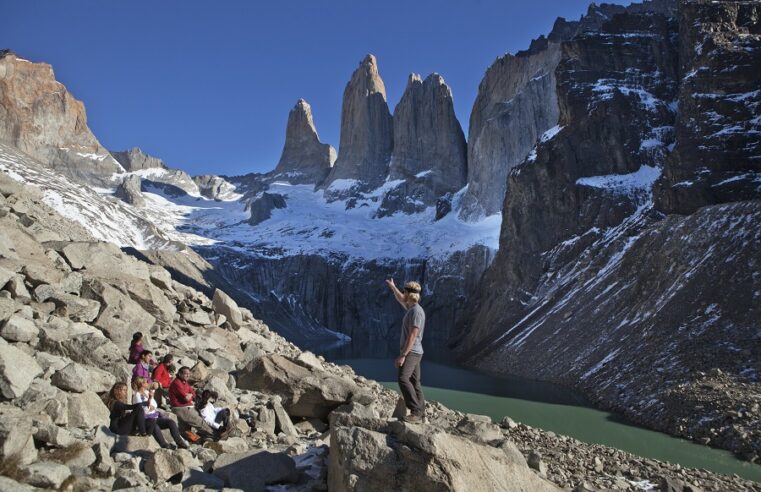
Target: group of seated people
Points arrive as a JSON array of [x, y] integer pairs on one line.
[[152, 385]]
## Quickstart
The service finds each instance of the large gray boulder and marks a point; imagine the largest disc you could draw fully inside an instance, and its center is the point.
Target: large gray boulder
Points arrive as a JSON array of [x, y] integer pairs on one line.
[[373, 455], [227, 307], [17, 370], [151, 298], [119, 316], [164, 464], [69, 305], [16, 442], [366, 129], [104, 260], [305, 392], [19, 329], [78, 378], [304, 159], [88, 348], [87, 410], [46, 474], [252, 471]]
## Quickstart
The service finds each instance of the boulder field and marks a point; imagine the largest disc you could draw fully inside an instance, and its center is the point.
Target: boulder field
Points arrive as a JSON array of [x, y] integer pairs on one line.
[[68, 307]]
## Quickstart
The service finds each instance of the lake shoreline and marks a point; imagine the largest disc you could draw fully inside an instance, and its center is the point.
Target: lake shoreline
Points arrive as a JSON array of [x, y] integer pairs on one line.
[[495, 389]]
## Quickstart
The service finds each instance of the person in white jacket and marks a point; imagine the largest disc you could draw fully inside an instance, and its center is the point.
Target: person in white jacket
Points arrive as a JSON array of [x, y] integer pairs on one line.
[[218, 418]]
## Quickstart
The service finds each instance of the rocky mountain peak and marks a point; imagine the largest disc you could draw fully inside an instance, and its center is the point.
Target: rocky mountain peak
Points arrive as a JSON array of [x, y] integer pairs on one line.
[[40, 117], [414, 78], [366, 129], [429, 144], [515, 105], [135, 159], [304, 159]]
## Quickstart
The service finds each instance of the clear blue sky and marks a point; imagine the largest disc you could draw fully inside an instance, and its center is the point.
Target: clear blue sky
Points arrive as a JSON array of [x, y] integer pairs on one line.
[[207, 86]]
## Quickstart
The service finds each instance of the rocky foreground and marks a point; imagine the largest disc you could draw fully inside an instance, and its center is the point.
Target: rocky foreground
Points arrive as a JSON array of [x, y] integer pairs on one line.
[[68, 307]]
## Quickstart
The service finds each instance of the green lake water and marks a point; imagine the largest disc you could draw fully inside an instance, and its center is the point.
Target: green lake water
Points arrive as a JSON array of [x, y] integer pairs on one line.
[[553, 408]]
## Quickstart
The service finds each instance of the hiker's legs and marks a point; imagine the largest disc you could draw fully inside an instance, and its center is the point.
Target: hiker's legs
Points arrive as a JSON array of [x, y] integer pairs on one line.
[[155, 430], [138, 420], [190, 417], [405, 385], [415, 380], [165, 423]]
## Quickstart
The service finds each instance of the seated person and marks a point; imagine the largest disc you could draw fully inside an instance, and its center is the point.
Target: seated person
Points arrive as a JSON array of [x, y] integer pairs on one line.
[[182, 398], [218, 418], [135, 348], [162, 376], [154, 420], [125, 419], [143, 368]]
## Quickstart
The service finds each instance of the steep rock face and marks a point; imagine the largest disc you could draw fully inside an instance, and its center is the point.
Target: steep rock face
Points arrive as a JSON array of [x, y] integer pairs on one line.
[[304, 159], [592, 286], [301, 295], [516, 103], [717, 157], [366, 129], [428, 140], [41, 118], [135, 159], [641, 314], [615, 97]]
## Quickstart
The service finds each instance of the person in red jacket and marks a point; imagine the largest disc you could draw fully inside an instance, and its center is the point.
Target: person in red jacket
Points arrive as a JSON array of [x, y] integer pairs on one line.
[[182, 398], [162, 375]]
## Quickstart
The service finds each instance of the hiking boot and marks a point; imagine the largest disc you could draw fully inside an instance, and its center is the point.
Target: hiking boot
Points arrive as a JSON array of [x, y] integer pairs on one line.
[[413, 419]]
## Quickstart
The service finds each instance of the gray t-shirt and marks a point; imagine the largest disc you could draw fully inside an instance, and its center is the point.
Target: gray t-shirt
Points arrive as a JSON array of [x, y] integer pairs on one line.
[[415, 316]]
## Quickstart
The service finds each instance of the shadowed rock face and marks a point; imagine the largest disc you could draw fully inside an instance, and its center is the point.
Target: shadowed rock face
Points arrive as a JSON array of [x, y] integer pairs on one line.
[[613, 96], [40, 117], [304, 159], [135, 159], [592, 285], [716, 158], [366, 129], [427, 136]]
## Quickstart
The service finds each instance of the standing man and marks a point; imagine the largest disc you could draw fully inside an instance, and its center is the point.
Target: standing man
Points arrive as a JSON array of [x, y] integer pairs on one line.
[[411, 349]]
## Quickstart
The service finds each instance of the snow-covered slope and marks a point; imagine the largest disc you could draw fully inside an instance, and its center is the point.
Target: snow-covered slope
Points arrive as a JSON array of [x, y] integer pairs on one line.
[[104, 217]]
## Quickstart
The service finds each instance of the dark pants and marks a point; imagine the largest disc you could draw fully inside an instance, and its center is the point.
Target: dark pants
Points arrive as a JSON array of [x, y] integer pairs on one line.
[[409, 383], [155, 425], [133, 422]]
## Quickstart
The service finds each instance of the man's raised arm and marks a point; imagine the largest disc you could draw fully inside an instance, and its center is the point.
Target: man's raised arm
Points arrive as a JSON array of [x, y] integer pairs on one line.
[[397, 293]]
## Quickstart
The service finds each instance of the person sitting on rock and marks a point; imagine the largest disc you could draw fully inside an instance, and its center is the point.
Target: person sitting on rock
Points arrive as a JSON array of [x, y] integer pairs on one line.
[[218, 418], [143, 368], [162, 377], [135, 348], [155, 421], [182, 397], [125, 419]]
